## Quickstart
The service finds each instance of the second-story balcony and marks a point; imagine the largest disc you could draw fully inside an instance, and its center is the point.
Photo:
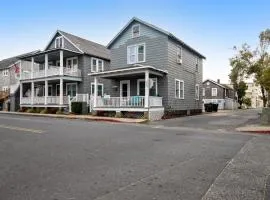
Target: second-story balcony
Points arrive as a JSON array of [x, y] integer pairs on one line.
[[51, 63], [51, 71]]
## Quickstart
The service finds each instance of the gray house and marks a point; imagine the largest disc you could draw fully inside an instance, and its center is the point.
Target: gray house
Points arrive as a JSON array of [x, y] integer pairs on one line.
[[151, 72], [215, 92], [9, 82], [59, 73]]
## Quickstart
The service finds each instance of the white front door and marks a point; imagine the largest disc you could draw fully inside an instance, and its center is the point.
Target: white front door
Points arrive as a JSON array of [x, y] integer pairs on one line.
[[71, 89]]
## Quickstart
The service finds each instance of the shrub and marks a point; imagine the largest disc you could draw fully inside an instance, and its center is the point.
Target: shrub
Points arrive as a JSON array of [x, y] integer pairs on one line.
[[52, 110], [44, 111], [30, 110], [38, 110], [118, 114], [59, 112], [76, 107]]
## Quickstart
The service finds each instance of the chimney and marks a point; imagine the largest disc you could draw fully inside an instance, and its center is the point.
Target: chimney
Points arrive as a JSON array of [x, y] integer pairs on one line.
[[218, 81]]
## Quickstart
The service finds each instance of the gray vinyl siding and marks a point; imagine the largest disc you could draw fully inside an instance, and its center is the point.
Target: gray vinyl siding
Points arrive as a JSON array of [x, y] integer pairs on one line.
[[187, 73], [208, 91]]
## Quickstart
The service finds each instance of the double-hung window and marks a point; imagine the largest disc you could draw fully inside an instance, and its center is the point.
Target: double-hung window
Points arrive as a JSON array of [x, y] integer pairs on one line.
[[136, 30], [179, 89], [179, 54], [5, 72], [97, 65], [136, 53], [197, 64], [5, 88], [59, 42], [197, 94], [203, 92], [214, 92]]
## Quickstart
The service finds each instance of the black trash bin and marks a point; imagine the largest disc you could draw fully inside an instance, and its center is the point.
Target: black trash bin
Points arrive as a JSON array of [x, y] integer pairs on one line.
[[208, 107], [215, 107]]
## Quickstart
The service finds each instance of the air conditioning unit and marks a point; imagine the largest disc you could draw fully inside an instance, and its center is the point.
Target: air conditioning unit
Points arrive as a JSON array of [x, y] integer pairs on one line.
[[179, 60]]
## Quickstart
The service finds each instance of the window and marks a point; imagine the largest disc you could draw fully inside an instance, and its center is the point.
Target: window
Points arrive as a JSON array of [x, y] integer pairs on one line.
[[197, 94], [59, 42], [203, 92], [197, 64], [179, 89], [179, 55], [153, 89], [214, 92], [136, 53], [72, 63], [136, 31], [97, 65], [5, 88], [100, 89], [5, 72], [71, 89]]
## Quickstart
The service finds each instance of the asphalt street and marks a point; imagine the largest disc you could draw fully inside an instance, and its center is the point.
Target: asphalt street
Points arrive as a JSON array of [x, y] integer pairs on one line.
[[57, 159]]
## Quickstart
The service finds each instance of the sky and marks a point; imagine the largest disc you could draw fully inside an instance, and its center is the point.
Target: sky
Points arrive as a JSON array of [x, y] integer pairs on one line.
[[212, 27]]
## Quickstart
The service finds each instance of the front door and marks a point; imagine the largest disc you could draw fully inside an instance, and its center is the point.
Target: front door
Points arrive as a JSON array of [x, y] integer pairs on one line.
[[71, 89], [125, 88]]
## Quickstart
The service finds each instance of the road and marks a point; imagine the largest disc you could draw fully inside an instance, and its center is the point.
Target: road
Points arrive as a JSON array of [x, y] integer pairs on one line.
[[57, 159]]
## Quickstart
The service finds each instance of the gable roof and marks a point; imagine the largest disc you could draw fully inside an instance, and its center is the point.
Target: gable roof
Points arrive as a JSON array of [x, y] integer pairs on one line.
[[84, 46], [6, 63], [219, 84], [170, 35]]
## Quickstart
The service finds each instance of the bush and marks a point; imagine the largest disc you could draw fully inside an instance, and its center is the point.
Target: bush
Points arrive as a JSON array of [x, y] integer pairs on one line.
[[44, 111], [38, 110], [76, 107], [30, 110], [52, 110], [59, 112]]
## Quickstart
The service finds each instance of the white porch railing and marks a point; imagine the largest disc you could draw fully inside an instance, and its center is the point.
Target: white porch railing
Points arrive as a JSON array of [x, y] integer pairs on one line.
[[51, 100], [25, 100], [72, 72]]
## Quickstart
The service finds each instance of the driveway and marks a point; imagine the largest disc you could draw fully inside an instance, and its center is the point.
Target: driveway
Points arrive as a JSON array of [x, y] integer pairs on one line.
[[59, 159], [222, 120]]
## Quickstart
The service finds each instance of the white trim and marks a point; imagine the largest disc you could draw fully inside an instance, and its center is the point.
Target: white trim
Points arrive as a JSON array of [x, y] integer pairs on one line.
[[137, 53], [215, 83], [129, 69], [132, 33], [197, 94], [143, 80], [5, 72], [71, 84], [99, 84], [72, 59], [5, 88], [203, 92], [179, 84], [56, 42], [97, 66], [128, 88], [212, 92]]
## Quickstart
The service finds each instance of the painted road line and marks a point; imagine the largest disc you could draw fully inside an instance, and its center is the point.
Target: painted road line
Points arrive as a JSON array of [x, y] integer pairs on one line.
[[21, 129]]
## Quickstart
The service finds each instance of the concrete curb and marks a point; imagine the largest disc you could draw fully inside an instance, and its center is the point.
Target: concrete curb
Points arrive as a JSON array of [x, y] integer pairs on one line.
[[255, 129], [81, 117]]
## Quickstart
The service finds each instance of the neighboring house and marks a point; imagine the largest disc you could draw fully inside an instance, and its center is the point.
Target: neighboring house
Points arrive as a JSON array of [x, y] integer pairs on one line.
[[9, 82], [254, 93], [151, 71], [60, 71], [215, 92]]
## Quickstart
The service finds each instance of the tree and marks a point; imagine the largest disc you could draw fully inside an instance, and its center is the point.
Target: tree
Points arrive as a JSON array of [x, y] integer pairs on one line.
[[241, 88], [253, 63], [247, 101]]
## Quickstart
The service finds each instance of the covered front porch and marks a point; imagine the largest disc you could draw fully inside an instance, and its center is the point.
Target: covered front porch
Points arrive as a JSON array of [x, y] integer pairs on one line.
[[134, 89]]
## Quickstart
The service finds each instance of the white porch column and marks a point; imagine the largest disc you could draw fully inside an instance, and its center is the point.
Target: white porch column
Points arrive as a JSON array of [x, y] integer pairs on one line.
[[21, 92], [95, 91], [46, 64], [61, 62], [46, 92], [32, 92], [61, 92], [21, 70], [32, 67], [146, 98]]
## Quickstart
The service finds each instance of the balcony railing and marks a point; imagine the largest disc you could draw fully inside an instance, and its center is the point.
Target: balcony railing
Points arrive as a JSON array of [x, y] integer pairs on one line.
[[51, 100], [52, 71], [128, 102]]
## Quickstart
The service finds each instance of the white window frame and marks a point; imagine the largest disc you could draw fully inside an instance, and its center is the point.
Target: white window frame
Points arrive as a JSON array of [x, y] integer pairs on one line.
[[73, 67], [214, 89], [197, 64], [67, 84], [5, 72], [178, 82], [203, 92], [97, 66], [179, 51], [5, 88], [136, 53], [197, 91], [133, 36], [57, 39], [143, 80], [99, 84]]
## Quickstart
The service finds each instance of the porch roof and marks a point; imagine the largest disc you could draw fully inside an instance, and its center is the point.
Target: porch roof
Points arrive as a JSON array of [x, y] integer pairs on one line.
[[135, 69]]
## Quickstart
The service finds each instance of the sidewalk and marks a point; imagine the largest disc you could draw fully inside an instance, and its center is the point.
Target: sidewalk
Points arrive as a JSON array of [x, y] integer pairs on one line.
[[82, 117]]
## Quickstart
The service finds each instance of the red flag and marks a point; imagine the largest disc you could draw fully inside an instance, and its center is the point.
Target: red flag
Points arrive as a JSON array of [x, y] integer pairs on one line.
[[16, 68]]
